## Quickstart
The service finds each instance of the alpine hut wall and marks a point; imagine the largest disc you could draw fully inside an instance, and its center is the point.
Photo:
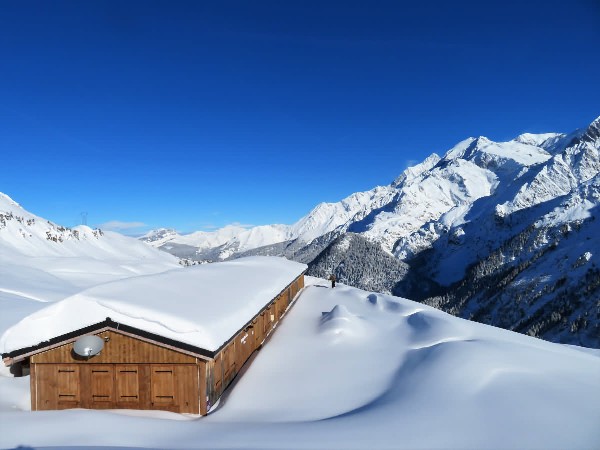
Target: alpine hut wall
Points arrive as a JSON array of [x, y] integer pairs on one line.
[[139, 368]]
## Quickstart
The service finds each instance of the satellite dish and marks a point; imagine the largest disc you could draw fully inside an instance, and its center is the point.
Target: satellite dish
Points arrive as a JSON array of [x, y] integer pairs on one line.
[[88, 346]]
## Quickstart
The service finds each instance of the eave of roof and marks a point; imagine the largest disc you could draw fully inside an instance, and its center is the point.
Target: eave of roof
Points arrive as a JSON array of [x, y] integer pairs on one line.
[[108, 324]]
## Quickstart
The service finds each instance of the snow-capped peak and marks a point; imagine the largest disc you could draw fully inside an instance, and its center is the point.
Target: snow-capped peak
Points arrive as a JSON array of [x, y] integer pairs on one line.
[[591, 134], [7, 203], [414, 171], [538, 140], [327, 217], [159, 235], [485, 153]]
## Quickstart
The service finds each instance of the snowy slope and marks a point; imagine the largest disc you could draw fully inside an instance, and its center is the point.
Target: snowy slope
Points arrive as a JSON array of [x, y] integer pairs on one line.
[[220, 244], [327, 217], [543, 140], [198, 239], [69, 254], [251, 238], [545, 259], [44, 262], [352, 369]]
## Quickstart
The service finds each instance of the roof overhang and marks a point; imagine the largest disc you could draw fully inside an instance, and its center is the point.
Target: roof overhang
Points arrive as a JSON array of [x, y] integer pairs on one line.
[[106, 325]]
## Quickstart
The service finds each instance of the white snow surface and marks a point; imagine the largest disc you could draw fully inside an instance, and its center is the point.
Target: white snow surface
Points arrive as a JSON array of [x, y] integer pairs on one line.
[[327, 217], [351, 369], [202, 305], [538, 140]]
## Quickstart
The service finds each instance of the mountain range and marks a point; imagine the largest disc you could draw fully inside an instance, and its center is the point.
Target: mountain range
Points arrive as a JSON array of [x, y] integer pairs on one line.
[[504, 233]]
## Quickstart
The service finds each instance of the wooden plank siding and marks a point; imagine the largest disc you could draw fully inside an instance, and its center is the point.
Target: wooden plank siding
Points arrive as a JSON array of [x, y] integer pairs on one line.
[[119, 348], [230, 359], [170, 387], [140, 373]]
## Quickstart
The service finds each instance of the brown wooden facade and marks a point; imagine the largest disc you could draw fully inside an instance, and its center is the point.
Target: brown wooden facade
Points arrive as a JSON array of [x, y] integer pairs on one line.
[[138, 370]]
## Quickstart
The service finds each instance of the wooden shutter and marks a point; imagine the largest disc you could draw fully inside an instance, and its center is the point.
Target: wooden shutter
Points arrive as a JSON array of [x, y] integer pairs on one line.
[[67, 382], [102, 383], [128, 385], [163, 385]]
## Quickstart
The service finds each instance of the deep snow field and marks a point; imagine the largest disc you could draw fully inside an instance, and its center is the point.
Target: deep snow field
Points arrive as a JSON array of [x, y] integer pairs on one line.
[[353, 369]]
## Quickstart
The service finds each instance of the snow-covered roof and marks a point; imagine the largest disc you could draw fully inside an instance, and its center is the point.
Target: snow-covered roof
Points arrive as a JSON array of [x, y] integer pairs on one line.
[[203, 306]]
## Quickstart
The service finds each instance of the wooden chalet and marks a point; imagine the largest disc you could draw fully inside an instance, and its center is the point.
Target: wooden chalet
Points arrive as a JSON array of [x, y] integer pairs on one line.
[[145, 365]]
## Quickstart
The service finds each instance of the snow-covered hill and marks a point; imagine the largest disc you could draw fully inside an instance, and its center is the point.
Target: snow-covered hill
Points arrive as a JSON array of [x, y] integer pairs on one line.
[[41, 261], [349, 369]]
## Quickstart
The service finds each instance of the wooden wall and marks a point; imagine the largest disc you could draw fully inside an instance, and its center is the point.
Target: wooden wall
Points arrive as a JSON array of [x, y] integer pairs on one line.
[[170, 387], [229, 361], [119, 348], [128, 373]]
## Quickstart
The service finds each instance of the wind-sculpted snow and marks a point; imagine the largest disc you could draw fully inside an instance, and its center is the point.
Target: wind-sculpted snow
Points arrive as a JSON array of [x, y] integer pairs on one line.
[[341, 324], [348, 368]]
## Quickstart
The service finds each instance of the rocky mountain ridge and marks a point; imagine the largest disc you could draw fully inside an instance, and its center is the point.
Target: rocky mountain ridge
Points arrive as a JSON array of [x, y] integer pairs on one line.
[[501, 232]]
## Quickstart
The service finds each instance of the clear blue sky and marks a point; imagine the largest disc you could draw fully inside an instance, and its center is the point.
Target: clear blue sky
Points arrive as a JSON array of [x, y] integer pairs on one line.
[[197, 114]]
